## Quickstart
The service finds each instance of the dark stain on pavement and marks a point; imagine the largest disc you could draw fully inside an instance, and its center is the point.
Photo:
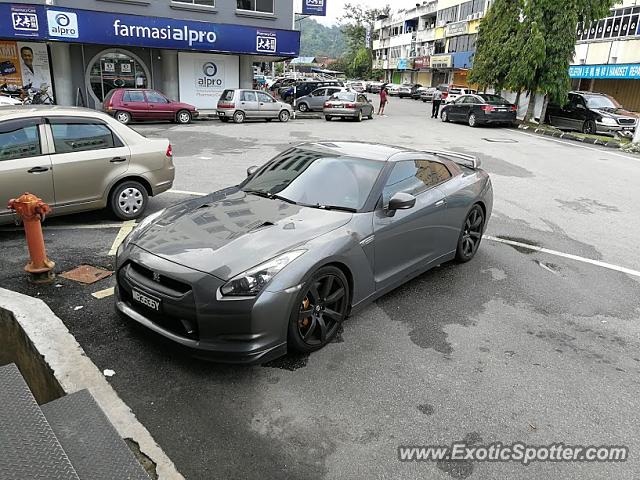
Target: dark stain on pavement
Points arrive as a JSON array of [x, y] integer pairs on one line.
[[587, 206], [291, 361], [520, 249], [460, 469], [426, 409]]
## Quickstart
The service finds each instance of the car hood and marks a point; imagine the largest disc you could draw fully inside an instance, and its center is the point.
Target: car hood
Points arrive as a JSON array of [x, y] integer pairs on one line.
[[229, 231], [615, 113]]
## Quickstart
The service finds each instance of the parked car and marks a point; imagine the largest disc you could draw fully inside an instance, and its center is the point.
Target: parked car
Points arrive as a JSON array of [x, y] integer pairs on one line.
[[418, 92], [408, 90], [318, 232], [591, 112], [374, 87], [9, 101], [348, 104], [77, 159], [243, 104], [138, 104], [454, 92], [357, 86], [306, 87], [315, 100], [479, 109], [392, 88], [427, 94]]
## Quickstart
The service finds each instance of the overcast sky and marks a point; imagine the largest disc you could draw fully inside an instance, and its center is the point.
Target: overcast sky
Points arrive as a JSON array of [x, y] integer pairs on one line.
[[335, 7]]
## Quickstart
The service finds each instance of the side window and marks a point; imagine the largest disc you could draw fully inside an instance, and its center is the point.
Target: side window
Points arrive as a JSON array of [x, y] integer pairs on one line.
[[362, 99], [263, 97], [248, 96], [133, 96], [227, 95], [71, 137], [155, 97], [19, 139], [414, 177]]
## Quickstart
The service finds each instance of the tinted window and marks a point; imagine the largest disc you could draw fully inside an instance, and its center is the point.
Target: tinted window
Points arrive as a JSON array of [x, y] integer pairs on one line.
[[414, 177], [601, 102], [320, 92], [263, 97], [131, 96], [155, 97], [79, 137], [19, 139], [496, 99], [313, 178], [248, 97], [344, 96], [227, 95], [362, 99]]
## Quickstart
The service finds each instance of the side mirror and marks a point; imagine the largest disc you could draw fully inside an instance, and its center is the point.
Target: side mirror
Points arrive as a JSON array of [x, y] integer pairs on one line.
[[401, 201], [252, 170]]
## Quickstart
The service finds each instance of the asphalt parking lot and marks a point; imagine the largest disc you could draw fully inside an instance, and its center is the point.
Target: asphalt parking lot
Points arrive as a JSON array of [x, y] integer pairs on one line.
[[517, 345]]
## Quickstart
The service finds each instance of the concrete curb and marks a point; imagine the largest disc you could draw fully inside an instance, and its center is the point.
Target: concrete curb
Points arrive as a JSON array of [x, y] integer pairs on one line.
[[569, 136], [74, 371]]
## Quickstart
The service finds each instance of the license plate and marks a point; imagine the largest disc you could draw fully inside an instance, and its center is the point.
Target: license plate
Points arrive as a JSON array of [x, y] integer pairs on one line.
[[147, 300]]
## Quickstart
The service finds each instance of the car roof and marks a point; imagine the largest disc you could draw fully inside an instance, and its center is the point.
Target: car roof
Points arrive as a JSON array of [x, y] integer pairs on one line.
[[36, 110], [364, 150]]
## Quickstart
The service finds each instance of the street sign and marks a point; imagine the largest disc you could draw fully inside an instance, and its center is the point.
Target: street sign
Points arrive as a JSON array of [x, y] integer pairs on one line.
[[314, 7]]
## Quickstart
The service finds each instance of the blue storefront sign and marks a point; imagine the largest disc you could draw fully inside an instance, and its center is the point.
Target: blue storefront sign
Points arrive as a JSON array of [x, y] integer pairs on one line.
[[314, 7], [622, 71], [84, 26], [402, 64], [463, 59]]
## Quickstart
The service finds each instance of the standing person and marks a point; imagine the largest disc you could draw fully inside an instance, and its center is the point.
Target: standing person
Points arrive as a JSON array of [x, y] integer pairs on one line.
[[384, 98], [437, 100]]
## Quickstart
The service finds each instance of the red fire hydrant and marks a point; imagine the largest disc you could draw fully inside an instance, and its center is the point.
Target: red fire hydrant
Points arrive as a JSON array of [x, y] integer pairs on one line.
[[32, 210]]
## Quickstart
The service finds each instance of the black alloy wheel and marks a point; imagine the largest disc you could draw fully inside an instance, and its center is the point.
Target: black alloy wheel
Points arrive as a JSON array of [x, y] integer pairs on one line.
[[589, 127], [323, 305], [470, 235]]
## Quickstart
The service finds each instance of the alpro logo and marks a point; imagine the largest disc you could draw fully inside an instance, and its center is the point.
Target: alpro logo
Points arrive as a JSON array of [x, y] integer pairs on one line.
[[211, 76], [62, 24]]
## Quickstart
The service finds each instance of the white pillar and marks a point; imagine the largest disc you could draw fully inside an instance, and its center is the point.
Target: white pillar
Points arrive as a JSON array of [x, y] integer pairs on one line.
[[61, 66], [246, 71], [170, 82], [636, 136]]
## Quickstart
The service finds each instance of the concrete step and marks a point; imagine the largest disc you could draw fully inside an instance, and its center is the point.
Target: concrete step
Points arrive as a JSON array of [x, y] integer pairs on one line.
[[92, 443], [29, 448]]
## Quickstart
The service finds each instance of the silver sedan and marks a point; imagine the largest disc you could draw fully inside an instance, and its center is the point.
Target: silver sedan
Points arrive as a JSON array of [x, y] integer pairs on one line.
[[348, 105]]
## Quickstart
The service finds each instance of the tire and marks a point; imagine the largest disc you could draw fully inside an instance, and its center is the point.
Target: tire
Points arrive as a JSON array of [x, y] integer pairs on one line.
[[128, 200], [284, 116], [470, 234], [303, 107], [239, 117], [444, 116], [358, 118], [424, 101], [370, 116], [327, 118], [123, 117], [589, 127], [183, 117], [473, 120], [309, 315]]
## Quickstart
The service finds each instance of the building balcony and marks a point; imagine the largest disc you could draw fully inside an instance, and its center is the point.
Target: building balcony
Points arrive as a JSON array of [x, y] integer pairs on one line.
[[401, 40], [427, 35]]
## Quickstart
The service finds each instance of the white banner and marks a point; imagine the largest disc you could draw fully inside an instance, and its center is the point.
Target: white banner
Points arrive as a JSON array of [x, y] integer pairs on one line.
[[204, 76]]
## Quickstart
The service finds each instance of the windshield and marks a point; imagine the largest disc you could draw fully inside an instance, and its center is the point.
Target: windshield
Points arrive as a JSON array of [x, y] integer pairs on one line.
[[344, 96], [315, 179], [495, 99], [601, 102]]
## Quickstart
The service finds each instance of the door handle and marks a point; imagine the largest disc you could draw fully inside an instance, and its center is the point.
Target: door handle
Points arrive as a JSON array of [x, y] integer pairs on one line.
[[439, 203], [38, 170], [118, 160]]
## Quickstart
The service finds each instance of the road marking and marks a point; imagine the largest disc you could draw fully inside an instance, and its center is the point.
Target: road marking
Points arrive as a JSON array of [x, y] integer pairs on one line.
[[103, 293], [185, 192], [46, 228], [577, 258], [572, 144], [125, 230]]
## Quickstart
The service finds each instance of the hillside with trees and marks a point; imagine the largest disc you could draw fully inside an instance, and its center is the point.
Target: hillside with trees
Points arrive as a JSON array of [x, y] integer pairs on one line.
[[320, 41]]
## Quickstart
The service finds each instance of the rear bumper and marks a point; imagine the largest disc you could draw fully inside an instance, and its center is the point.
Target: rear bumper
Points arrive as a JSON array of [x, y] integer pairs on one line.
[[340, 112], [499, 117]]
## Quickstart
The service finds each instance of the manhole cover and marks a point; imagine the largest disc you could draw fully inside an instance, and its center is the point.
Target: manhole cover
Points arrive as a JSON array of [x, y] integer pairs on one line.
[[86, 274], [500, 140]]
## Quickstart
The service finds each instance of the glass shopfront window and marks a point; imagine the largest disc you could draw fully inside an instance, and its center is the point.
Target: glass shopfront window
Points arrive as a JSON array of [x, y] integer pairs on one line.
[[116, 69]]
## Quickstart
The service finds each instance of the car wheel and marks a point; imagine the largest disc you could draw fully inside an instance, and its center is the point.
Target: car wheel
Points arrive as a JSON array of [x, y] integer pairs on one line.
[[303, 107], [370, 116], [284, 116], [128, 200], [183, 117], [123, 117], [473, 121], [424, 101], [470, 235], [238, 117], [322, 306], [359, 116], [589, 127], [444, 116], [327, 118]]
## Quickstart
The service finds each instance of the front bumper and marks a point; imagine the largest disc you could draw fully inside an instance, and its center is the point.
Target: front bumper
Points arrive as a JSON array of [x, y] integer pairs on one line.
[[604, 128], [192, 315]]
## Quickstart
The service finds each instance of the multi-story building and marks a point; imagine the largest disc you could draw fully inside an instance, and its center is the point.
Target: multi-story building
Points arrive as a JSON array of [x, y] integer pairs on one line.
[[607, 55], [190, 49], [430, 44]]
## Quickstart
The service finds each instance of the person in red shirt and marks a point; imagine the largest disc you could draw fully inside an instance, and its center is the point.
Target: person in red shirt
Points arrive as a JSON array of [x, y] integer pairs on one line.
[[384, 98]]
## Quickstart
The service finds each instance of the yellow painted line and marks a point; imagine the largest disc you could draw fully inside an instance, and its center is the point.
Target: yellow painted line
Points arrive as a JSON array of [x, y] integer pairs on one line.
[[103, 293], [125, 230]]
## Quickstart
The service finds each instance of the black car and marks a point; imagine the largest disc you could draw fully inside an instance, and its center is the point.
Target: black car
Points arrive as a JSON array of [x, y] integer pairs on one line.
[[407, 91], [306, 87], [591, 112], [480, 109]]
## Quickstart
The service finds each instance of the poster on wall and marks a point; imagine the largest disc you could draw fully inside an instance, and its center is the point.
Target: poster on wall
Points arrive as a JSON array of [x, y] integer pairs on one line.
[[24, 63], [203, 77]]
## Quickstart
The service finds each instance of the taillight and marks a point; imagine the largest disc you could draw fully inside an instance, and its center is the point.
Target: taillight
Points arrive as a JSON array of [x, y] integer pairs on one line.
[[169, 151], [226, 105], [445, 95], [327, 105], [514, 108], [488, 108], [349, 105]]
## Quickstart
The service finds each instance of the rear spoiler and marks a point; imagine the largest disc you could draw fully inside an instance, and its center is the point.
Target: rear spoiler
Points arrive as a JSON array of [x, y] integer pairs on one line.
[[460, 158]]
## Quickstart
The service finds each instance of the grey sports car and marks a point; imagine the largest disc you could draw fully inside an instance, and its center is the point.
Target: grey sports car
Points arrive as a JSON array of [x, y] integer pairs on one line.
[[278, 262]]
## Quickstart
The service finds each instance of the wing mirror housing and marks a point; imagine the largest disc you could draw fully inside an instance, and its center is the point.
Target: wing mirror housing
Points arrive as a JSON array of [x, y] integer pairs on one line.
[[401, 201], [252, 170]]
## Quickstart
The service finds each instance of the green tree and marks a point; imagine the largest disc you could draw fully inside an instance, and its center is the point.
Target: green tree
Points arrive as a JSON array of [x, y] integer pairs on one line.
[[316, 40]]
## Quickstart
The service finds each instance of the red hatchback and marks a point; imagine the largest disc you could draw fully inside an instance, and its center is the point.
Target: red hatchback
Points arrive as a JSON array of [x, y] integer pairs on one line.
[[127, 104]]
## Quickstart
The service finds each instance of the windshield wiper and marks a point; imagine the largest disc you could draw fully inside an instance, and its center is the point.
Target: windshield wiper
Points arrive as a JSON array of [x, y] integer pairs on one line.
[[270, 196], [333, 207]]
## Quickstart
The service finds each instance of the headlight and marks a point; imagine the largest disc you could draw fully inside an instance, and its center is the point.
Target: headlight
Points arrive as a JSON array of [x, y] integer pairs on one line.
[[251, 282], [608, 121]]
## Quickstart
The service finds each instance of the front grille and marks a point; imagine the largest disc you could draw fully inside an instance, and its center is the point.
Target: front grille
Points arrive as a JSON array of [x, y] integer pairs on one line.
[[159, 279], [626, 121]]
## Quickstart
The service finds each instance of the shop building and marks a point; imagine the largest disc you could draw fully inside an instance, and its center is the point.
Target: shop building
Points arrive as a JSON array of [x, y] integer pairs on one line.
[[191, 50], [607, 57]]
